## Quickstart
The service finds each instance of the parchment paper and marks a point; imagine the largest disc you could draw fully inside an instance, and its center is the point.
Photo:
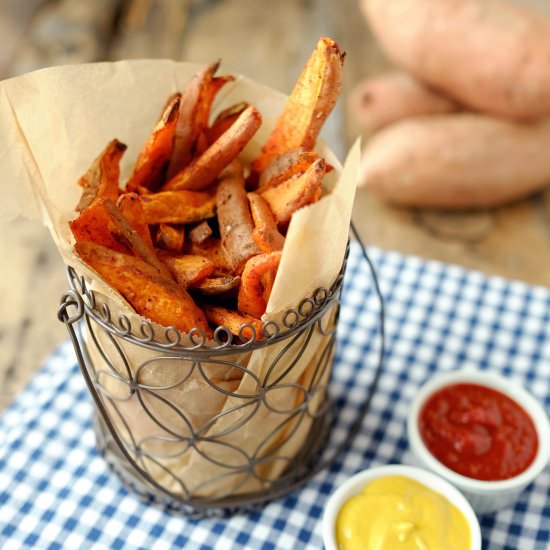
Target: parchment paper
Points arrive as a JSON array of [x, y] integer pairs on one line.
[[54, 122]]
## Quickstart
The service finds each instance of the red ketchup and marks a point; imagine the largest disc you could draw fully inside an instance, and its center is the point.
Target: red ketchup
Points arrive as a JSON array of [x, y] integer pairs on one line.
[[478, 432]]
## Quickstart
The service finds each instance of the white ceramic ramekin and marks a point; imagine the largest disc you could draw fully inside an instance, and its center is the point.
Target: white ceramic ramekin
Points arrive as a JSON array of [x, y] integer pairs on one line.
[[356, 483], [485, 496]]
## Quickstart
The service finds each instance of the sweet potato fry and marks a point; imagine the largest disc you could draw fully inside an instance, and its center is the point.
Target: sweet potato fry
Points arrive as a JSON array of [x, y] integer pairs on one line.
[[200, 233], [104, 223], [295, 193], [96, 224], [151, 296], [194, 111], [152, 160], [265, 232], [225, 120], [188, 269], [212, 286], [285, 166], [211, 248], [178, 206], [129, 205], [234, 218], [308, 106], [232, 320], [251, 298], [170, 237], [205, 169], [101, 180]]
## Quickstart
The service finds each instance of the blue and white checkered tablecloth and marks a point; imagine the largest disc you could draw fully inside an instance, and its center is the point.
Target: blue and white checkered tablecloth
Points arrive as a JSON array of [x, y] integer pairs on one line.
[[56, 492]]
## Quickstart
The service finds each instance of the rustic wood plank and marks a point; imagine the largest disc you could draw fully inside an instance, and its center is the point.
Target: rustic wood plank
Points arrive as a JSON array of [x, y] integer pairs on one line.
[[512, 241], [269, 43], [15, 18], [64, 32], [151, 29]]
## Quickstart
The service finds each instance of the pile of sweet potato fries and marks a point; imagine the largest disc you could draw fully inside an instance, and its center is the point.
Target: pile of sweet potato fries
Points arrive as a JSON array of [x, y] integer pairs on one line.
[[195, 237]]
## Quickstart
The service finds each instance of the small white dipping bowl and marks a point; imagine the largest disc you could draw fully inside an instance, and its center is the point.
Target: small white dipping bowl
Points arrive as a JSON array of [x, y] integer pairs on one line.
[[485, 496], [355, 484]]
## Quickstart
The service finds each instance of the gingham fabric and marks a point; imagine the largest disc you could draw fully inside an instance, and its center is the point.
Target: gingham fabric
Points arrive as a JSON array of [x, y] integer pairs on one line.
[[56, 492]]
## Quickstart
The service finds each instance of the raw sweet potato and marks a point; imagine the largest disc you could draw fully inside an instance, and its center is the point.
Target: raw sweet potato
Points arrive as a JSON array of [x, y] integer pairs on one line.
[[491, 55], [234, 218], [170, 237], [265, 232], [295, 193], [153, 297], [205, 169], [232, 320], [151, 163], [308, 106], [252, 299], [188, 269], [379, 101], [457, 161], [178, 206], [101, 180]]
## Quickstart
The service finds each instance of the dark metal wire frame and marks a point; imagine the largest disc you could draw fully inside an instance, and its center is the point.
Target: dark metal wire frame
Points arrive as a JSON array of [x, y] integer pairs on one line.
[[300, 469]]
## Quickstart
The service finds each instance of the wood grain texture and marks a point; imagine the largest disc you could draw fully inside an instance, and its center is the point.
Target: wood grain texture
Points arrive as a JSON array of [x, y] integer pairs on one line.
[[269, 42]]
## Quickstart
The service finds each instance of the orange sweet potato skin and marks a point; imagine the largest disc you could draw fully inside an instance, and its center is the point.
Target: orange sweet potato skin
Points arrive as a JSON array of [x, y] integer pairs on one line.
[[311, 101], [178, 206], [378, 102], [457, 161], [152, 296], [491, 55], [204, 169]]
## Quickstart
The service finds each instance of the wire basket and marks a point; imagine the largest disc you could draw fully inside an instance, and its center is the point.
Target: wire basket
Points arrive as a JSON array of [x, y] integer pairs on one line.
[[161, 449]]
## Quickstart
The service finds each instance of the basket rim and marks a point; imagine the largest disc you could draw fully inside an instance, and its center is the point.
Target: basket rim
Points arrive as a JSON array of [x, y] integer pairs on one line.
[[169, 339]]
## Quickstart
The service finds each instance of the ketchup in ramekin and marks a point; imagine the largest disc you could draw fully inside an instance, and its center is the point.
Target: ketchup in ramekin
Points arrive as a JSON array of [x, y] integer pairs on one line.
[[478, 432]]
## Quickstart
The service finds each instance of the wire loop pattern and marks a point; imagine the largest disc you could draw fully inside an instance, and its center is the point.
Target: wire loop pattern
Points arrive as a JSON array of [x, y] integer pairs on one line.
[[143, 378]]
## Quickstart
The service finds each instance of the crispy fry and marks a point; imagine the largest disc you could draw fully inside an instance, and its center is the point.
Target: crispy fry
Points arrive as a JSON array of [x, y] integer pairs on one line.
[[130, 206], [200, 233], [232, 320], [170, 237], [284, 166], [178, 206], [295, 193], [96, 224], [205, 169], [234, 218], [152, 160], [211, 248], [193, 115], [251, 298], [265, 233], [152, 296], [212, 286], [103, 223], [308, 106], [101, 180], [188, 269], [225, 120]]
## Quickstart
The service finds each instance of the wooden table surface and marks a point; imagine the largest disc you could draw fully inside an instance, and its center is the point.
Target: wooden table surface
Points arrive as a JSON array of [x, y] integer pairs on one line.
[[266, 41]]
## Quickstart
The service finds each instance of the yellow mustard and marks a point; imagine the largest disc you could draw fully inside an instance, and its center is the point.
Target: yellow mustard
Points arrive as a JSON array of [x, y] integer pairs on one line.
[[398, 513]]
